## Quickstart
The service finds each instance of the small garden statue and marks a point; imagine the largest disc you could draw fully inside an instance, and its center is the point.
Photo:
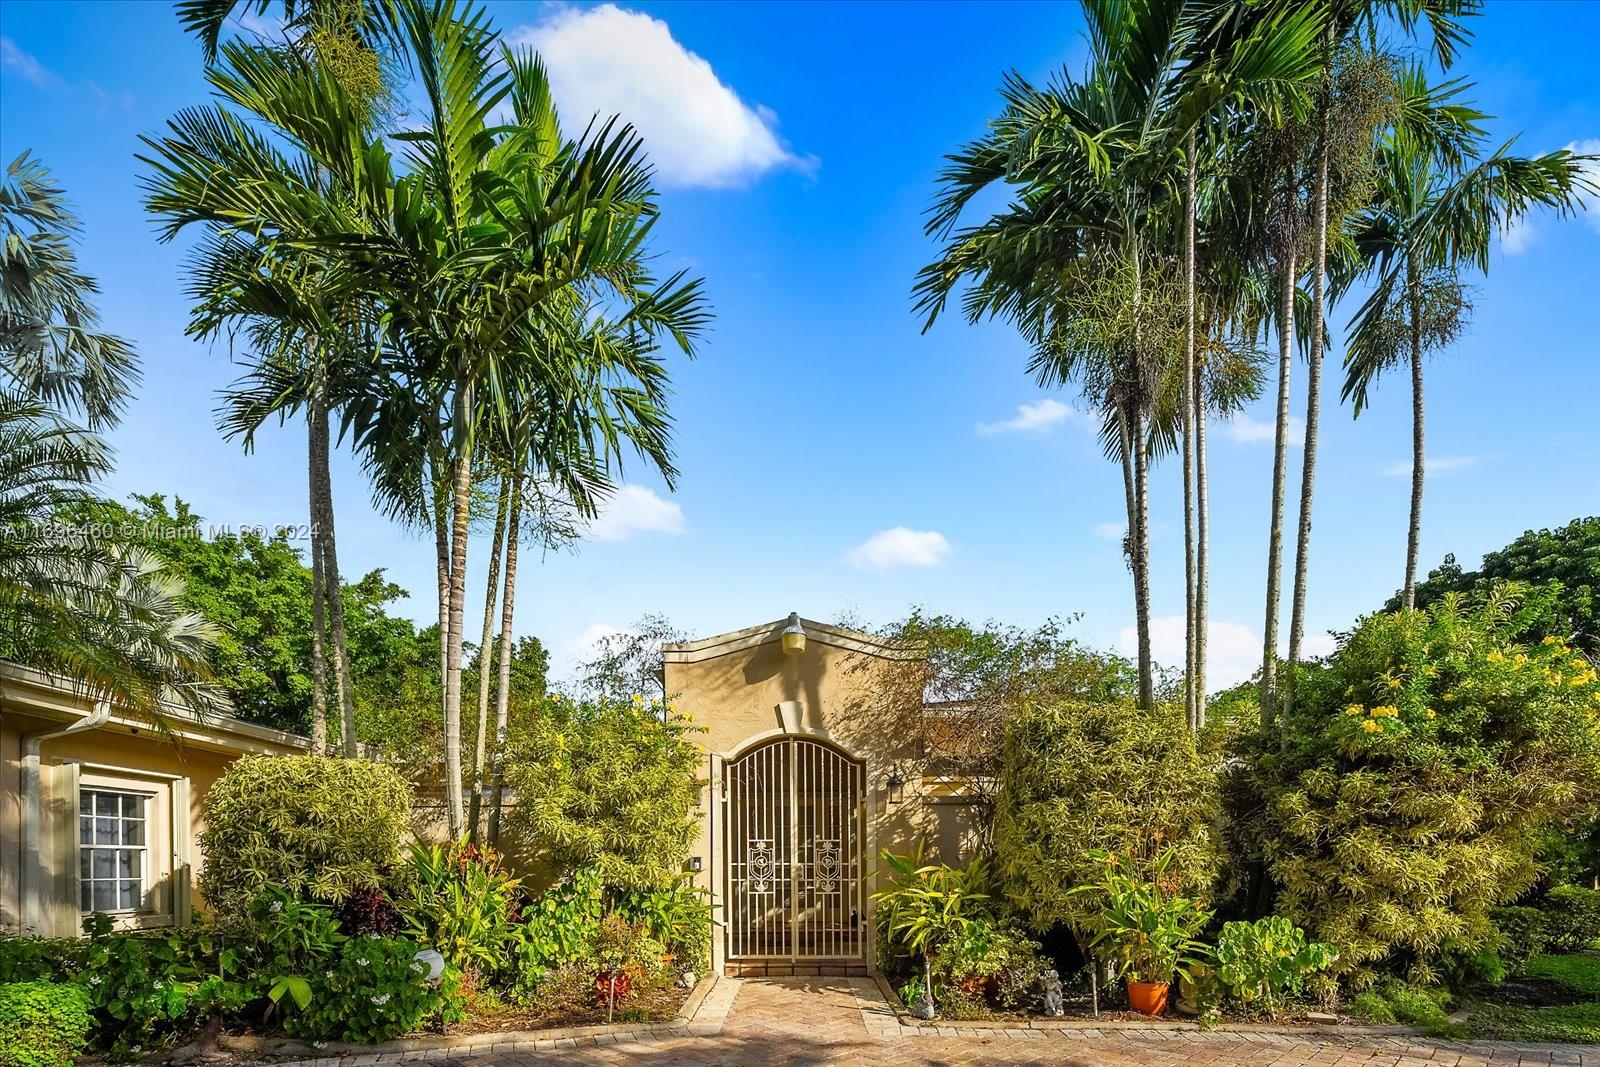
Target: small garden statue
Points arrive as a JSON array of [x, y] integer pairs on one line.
[[924, 1007], [1054, 998], [686, 980]]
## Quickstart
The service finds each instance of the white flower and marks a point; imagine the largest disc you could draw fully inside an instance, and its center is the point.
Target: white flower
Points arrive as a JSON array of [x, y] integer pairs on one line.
[[328, 973], [361, 961], [275, 907], [419, 966], [94, 980], [381, 999]]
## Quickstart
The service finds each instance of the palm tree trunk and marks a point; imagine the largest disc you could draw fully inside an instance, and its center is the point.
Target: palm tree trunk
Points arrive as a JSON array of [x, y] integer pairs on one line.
[[1190, 625], [460, 514], [1308, 458], [475, 805], [1130, 541], [440, 500], [502, 702], [319, 659], [333, 587], [1202, 579], [1418, 456], [1280, 461], [1141, 579]]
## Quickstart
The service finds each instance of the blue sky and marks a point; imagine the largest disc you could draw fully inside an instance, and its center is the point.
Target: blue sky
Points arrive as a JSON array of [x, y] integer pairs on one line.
[[835, 459]]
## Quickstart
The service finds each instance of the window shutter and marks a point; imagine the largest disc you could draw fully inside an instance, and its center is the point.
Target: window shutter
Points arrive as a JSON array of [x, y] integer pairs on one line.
[[182, 875], [58, 850]]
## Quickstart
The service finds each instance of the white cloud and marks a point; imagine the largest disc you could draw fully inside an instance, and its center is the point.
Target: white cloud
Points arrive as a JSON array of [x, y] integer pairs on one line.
[[1111, 531], [1031, 418], [26, 67], [1244, 430], [900, 547], [1589, 146], [1517, 236], [1432, 466], [633, 509], [589, 643], [1233, 650], [607, 60]]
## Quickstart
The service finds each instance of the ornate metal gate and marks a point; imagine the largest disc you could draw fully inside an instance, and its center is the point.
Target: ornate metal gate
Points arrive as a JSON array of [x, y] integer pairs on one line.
[[793, 842]]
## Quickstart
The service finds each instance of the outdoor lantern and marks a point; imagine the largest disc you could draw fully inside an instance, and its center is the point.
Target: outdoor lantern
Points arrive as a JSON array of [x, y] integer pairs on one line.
[[896, 786], [694, 864], [794, 636]]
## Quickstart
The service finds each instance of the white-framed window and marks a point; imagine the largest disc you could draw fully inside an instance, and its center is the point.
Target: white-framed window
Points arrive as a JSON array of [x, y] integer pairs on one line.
[[113, 850]]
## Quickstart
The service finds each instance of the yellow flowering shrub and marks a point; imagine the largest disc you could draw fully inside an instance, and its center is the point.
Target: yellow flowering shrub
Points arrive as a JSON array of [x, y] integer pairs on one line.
[[1409, 786]]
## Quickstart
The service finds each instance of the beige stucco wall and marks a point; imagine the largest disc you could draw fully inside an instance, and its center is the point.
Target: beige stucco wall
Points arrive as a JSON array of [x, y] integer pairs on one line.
[[861, 695]]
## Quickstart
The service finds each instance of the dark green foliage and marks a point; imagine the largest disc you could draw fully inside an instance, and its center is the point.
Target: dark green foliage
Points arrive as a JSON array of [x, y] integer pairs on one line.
[[1080, 779], [1266, 963], [559, 927], [1572, 917], [1522, 934], [38, 959], [1577, 971], [607, 784], [678, 915], [1561, 568], [42, 1024], [252, 584], [371, 989], [460, 900], [1577, 1024], [1407, 792], [316, 827], [1396, 1002]]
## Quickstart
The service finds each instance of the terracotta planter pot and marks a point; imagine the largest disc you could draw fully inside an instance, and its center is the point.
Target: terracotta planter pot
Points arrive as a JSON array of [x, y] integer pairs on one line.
[[1148, 998]]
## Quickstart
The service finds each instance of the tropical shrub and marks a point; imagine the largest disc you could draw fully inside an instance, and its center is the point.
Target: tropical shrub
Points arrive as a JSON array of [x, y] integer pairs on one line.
[[373, 989], [678, 915], [609, 785], [994, 960], [1146, 929], [559, 927], [460, 900], [38, 959], [1572, 917], [42, 1024], [1405, 794], [146, 988], [1521, 934], [929, 910], [1081, 780], [320, 828], [1265, 963], [629, 959]]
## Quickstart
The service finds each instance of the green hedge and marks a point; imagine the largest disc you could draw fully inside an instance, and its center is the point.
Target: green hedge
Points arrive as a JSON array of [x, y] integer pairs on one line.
[[317, 827], [42, 1024], [1572, 917]]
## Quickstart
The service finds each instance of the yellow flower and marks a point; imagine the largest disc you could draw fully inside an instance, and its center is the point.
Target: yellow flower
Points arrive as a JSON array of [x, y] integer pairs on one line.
[[1354, 709], [1448, 697], [1581, 679], [1551, 639], [1521, 659], [1496, 656], [1432, 714], [1371, 726]]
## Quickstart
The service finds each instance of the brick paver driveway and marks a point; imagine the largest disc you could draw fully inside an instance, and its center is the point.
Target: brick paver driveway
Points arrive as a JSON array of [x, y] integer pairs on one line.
[[816, 1021]]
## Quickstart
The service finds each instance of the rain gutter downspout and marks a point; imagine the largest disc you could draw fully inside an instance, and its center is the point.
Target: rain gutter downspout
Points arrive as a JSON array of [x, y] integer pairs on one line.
[[33, 873]]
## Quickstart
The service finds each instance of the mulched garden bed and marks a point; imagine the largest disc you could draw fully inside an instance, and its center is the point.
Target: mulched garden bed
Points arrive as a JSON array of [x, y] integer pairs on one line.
[[650, 1006]]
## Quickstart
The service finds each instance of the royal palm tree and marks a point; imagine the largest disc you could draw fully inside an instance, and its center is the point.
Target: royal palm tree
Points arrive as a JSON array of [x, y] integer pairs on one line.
[[51, 346], [1435, 214], [1351, 104], [480, 250], [271, 208]]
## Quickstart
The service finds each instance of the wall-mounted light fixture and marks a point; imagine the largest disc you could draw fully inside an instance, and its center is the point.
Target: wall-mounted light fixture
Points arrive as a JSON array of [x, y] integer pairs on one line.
[[895, 785], [794, 636], [694, 864]]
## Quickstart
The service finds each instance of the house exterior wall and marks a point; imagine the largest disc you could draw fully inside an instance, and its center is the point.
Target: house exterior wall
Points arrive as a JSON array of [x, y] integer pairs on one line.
[[39, 891], [850, 690]]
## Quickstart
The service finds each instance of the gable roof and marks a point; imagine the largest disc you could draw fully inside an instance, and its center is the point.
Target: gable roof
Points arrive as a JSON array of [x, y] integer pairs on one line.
[[770, 633]]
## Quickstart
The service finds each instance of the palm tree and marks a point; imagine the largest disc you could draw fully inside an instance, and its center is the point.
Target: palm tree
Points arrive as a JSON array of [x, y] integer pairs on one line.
[[50, 346], [480, 250], [1352, 104], [265, 273], [1436, 213], [104, 614]]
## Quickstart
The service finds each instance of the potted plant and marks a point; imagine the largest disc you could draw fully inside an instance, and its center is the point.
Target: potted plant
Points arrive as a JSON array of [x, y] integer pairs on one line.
[[1147, 932]]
